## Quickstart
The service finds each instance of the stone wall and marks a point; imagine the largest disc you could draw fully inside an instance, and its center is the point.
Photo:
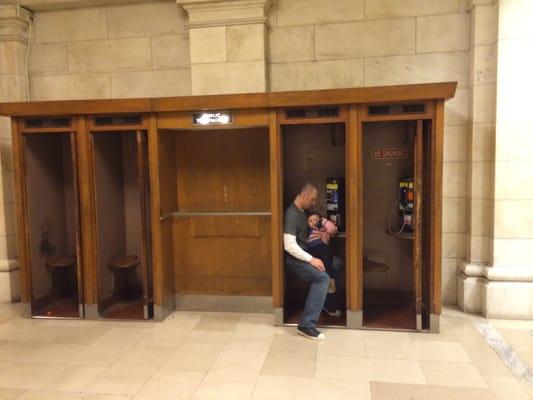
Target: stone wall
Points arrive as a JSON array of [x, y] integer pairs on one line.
[[14, 29], [138, 50], [143, 50], [502, 285]]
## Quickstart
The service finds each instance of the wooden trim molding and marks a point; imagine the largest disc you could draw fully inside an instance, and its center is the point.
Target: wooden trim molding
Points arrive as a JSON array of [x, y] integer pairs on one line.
[[378, 94]]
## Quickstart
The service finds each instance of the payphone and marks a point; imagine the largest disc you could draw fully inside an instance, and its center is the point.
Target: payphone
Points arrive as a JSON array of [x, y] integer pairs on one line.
[[406, 203], [335, 202], [405, 207]]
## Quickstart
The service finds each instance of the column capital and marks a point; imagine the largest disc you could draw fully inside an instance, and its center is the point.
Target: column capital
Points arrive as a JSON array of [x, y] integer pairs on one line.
[[475, 3], [14, 23], [206, 13]]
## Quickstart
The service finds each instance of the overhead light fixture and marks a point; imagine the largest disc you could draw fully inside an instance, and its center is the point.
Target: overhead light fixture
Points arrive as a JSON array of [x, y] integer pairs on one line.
[[212, 118]]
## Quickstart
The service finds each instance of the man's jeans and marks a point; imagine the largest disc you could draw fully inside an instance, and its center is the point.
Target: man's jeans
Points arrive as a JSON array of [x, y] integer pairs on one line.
[[318, 289]]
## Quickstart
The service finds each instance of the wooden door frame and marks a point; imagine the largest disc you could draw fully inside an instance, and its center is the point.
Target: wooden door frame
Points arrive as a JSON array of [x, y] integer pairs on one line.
[[354, 244], [419, 191], [23, 239], [92, 217], [141, 139], [437, 165], [88, 213], [22, 209], [163, 299], [434, 113], [277, 121]]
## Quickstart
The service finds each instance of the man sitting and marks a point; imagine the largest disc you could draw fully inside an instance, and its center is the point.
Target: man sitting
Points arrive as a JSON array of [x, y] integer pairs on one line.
[[300, 265]]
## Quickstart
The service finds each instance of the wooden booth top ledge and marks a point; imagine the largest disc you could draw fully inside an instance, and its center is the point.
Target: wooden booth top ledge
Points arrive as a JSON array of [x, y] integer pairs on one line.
[[379, 94]]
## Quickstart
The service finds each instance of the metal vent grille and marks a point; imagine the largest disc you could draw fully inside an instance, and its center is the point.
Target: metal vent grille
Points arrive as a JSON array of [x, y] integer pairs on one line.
[[118, 120], [379, 110], [397, 109], [57, 122], [414, 108], [318, 112]]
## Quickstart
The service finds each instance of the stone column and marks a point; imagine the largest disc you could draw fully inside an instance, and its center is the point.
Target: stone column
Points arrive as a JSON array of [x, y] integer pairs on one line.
[[14, 26], [502, 285], [227, 45], [509, 287], [481, 132]]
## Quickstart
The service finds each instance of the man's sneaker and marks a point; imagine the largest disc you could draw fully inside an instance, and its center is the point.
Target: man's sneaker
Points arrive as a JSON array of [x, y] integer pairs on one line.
[[311, 333], [336, 313]]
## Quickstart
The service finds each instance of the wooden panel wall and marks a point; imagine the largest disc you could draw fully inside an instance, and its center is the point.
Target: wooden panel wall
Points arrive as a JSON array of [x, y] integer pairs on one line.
[[223, 255], [223, 170]]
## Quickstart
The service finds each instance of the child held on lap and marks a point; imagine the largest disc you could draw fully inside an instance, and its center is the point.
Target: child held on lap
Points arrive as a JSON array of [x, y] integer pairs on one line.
[[320, 232]]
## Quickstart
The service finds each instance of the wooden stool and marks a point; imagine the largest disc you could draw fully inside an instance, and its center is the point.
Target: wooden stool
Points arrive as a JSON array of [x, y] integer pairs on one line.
[[61, 272], [122, 268]]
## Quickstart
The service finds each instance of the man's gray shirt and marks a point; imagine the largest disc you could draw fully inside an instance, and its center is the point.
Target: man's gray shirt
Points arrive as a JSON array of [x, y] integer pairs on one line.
[[296, 224]]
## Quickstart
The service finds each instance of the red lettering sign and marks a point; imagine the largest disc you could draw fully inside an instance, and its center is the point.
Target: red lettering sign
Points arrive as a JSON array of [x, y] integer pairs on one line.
[[389, 153]]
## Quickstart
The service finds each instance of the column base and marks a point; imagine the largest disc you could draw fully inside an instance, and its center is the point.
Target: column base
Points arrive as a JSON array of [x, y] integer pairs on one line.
[[469, 293], [10, 286], [513, 300], [496, 292]]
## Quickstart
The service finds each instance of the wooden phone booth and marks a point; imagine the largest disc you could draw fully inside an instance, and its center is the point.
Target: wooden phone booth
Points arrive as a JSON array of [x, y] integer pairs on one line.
[[313, 148], [119, 171], [400, 166], [135, 208], [48, 199], [215, 199]]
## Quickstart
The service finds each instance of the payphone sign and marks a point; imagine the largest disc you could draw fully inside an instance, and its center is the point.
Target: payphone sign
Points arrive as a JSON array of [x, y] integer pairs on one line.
[[389, 153]]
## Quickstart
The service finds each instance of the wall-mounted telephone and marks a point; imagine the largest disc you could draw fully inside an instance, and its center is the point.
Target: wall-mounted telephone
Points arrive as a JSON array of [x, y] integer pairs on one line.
[[335, 201], [405, 206], [406, 203]]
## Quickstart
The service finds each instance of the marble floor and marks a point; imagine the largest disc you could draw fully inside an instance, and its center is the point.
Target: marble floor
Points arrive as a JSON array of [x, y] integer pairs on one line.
[[204, 356]]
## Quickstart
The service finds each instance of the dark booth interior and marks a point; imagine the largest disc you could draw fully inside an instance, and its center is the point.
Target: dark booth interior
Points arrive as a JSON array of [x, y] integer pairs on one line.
[[121, 176], [315, 153], [53, 224]]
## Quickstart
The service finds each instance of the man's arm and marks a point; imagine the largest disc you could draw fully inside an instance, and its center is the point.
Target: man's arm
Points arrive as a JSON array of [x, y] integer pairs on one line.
[[291, 246], [289, 239]]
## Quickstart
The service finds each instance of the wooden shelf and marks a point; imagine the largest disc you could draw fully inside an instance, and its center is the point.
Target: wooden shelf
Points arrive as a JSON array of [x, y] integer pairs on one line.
[[372, 266]]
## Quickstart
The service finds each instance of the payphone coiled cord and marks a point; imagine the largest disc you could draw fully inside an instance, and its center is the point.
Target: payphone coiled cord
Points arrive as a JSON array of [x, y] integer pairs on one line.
[[389, 228]]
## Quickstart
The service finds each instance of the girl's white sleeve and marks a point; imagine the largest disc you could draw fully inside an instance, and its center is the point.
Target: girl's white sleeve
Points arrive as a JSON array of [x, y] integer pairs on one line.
[[291, 246]]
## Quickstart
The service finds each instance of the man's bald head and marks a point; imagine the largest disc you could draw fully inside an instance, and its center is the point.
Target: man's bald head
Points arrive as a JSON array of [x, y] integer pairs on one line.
[[307, 188], [307, 196]]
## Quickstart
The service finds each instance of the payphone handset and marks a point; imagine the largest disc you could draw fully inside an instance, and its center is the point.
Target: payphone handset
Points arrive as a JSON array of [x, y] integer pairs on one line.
[[405, 204]]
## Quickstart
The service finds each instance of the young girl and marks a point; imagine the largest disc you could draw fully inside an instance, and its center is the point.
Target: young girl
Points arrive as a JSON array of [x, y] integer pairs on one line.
[[320, 232]]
